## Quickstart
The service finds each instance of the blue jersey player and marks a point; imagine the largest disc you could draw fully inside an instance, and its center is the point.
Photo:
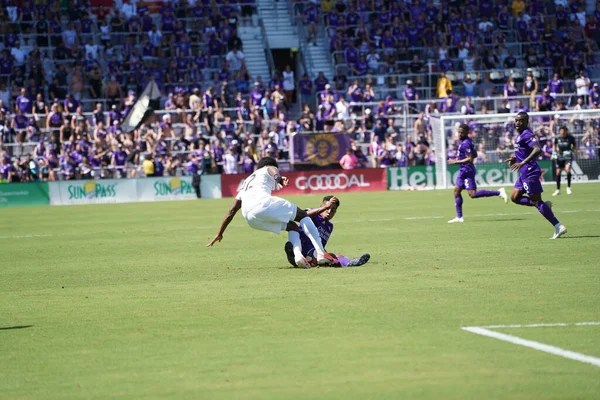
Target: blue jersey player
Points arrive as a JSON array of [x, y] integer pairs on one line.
[[322, 218], [527, 150], [465, 157]]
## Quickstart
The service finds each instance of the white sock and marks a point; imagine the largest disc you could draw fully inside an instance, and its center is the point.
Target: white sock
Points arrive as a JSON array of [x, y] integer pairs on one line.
[[313, 234], [294, 238]]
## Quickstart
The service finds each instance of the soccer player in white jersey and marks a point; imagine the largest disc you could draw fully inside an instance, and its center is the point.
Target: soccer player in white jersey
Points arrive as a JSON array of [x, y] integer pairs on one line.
[[265, 212]]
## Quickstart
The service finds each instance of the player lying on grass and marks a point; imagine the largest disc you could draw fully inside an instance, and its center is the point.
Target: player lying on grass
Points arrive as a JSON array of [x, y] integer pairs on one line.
[[265, 212], [527, 150], [465, 156], [322, 217]]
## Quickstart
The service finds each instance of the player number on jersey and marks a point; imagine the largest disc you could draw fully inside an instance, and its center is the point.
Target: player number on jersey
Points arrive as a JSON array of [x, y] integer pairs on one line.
[[247, 182]]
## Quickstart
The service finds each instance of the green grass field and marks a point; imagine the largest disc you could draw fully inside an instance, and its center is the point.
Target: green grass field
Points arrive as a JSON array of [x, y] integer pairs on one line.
[[124, 301]]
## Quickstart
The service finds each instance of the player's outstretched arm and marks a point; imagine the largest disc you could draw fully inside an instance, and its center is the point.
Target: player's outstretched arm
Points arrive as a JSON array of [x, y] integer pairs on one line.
[[237, 204], [311, 212]]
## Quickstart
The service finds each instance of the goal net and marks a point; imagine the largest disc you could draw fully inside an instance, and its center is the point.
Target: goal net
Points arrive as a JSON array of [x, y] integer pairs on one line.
[[493, 136]]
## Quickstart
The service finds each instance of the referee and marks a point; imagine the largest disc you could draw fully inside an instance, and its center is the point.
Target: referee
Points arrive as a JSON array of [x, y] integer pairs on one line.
[[562, 152]]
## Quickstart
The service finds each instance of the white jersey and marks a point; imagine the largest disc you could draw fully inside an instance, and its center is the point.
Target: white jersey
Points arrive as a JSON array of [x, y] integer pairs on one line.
[[262, 210], [256, 188]]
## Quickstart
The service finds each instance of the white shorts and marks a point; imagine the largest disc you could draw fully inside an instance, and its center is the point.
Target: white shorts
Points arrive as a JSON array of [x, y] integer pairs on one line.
[[272, 214]]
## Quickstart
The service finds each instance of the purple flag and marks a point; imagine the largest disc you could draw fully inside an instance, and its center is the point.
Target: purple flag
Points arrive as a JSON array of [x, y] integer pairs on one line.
[[320, 149]]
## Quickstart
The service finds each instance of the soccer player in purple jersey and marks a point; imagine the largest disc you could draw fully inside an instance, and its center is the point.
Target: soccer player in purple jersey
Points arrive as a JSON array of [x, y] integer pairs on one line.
[[465, 157], [322, 219], [527, 150]]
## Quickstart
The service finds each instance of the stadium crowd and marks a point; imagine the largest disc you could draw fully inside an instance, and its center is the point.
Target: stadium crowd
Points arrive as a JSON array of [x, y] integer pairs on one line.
[[68, 78]]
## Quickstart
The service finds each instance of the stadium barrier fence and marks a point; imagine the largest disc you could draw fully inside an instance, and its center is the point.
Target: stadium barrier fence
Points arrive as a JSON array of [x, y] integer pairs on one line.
[[488, 174], [24, 194], [131, 190], [319, 181]]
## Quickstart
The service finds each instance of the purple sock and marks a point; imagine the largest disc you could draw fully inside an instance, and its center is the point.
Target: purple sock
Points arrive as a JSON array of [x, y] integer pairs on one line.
[[525, 201], [458, 200], [486, 193], [546, 212], [343, 260]]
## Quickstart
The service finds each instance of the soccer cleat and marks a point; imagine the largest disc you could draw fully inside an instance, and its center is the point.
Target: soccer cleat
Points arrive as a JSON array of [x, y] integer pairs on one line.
[[327, 259], [556, 192], [357, 262], [559, 231], [455, 220], [302, 263], [569, 190], [289, 252], [503, 195]]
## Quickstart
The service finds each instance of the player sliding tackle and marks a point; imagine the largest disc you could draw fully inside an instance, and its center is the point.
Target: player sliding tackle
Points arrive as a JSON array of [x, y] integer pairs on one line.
[[465, 156], [322, 217], [265, 212], [527, 150]]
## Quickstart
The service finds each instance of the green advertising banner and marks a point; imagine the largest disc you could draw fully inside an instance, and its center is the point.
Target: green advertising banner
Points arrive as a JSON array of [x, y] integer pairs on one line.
[[406, 178], [489, 174], [499, 174], [24, 194]]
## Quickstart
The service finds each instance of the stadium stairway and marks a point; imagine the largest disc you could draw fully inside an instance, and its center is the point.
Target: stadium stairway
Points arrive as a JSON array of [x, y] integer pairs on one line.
[[276, 18], [318, 58], [254, 52]]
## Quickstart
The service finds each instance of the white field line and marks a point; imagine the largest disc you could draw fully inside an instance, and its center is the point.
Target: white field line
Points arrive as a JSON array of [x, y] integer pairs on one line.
[[468, 216], [539, 325], [557, 351]]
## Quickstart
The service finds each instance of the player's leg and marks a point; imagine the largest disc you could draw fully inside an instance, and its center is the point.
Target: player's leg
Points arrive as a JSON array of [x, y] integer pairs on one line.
[[534, 191], [296, 258], [313, 234], [357, 262], [458, 201], [568, 171], [517, 194], [558, 177]]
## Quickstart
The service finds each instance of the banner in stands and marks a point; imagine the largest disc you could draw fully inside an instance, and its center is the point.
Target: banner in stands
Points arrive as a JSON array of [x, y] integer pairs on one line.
[[489, 174], [24, 194], [323, 182], [320, 149], [93, 192], [177, 188]]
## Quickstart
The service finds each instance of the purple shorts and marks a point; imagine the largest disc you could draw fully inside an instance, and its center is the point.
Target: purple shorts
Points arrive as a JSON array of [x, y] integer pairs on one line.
[[466, 182], [530, 184]]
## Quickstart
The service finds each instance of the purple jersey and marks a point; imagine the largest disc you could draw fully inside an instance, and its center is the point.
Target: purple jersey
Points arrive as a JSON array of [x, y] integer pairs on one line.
[[465, 149], [325, 229], [555, 85], [524, 144]]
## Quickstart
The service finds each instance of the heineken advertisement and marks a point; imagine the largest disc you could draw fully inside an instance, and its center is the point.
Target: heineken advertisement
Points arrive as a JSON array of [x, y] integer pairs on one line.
[[410, 178], [24, 194], [490, 174]]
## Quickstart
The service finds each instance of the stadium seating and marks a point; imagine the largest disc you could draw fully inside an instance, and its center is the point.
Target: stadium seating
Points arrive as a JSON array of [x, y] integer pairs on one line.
[[69, 76]]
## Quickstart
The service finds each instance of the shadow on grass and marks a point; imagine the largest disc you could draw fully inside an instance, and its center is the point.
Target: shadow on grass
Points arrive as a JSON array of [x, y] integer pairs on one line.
[[580, 237], [498, 220], [8, 328]]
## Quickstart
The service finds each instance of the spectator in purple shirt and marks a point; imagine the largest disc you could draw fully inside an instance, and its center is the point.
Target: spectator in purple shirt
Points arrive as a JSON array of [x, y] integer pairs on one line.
[[555, 85], [449, 103], [23, 102], [320, 82]]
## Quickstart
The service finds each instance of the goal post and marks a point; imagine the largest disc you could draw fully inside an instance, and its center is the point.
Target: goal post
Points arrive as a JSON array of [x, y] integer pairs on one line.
[[493, 136]]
